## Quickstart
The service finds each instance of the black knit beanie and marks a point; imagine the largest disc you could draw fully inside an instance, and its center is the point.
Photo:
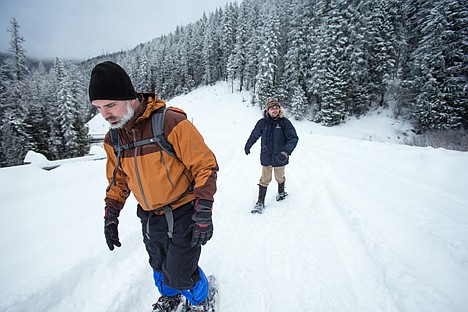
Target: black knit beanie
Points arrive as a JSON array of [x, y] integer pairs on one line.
[[109, 81]]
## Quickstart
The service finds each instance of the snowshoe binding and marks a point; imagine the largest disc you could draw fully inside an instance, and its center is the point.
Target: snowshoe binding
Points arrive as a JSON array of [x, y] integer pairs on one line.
[[281, 196], [258, 208], [167, 304], [260, 205], [281, 192]]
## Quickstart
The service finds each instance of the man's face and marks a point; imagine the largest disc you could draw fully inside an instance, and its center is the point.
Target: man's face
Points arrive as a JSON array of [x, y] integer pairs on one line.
[[116, 112], [274, 111]]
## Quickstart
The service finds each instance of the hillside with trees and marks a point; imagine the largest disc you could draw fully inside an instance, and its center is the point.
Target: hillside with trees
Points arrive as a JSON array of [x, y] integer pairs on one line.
[[326, 60]]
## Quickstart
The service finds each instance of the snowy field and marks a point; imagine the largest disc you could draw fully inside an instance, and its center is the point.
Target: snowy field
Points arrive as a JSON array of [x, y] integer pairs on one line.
[[370, 224]]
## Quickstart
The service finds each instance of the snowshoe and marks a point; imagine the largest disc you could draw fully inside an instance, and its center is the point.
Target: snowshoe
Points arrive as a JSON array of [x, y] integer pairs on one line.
[[209, 304], [258, 208], [167, 304], [281, 196]]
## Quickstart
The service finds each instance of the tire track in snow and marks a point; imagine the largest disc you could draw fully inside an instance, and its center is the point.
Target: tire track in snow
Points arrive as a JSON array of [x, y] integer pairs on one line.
[[327, 286], [411, 198], [405, 291], [390, 280], [275, 247]]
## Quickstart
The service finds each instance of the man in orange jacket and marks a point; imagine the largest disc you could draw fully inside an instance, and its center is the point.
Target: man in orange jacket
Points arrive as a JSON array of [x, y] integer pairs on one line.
[[175, 194]]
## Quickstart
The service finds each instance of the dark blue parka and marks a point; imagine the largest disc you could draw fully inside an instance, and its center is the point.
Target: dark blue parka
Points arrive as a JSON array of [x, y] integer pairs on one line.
[[277, 134]]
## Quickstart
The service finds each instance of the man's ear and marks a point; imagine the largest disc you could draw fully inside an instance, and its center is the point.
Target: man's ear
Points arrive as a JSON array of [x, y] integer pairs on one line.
[[135, 103]]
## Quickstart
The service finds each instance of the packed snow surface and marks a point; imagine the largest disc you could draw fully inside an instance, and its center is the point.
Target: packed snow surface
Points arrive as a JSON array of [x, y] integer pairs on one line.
[[370, 224]]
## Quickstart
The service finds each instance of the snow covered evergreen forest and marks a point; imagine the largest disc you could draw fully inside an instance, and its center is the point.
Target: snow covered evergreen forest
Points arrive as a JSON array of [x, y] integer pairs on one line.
[[326, 60]]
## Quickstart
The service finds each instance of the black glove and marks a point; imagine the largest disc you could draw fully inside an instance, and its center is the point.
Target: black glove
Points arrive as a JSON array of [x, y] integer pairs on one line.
[[203, 228], [247, 150], [111, 222], [282, 157]]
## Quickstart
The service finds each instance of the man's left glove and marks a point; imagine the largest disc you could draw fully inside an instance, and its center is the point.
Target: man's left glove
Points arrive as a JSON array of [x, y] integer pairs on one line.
[[283, 157], [203, 228], [111, 222]]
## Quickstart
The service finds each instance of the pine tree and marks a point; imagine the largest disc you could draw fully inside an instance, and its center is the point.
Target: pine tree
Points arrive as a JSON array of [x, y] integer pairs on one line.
[[238, 62], [38, 88], [228, 38], [297, 63], [268, 55], [456, 62], [79, 101], [197, 49], [432, 105], [142, 80], [299, 103], [316, 40], [381, 53], [70, 139], [15, 141], [3, 107], [211, 50], [187, 61], [252, 46], [17, 64], [335, 76]]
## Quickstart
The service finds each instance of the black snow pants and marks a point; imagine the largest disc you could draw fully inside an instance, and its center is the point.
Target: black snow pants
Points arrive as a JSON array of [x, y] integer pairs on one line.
[[173, 257]]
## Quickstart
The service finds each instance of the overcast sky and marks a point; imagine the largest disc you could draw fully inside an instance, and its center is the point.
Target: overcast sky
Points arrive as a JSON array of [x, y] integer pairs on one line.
[[81, 29]]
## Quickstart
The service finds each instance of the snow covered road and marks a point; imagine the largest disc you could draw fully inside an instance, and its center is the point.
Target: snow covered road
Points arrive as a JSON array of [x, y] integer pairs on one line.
[[368, 226]]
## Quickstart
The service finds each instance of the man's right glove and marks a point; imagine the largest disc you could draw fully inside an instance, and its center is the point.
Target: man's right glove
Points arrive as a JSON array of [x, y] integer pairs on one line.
[[203, 228], [246, 150], [111, 222]]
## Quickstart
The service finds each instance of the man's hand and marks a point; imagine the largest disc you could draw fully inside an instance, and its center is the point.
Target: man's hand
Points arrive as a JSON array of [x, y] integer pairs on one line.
[[111, 222], [247, 150], [203, 229], [282, 157]]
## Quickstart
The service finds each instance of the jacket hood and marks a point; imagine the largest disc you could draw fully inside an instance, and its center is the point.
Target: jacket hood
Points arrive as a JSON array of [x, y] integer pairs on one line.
[[148, 104], [151, 104], [267, 116]]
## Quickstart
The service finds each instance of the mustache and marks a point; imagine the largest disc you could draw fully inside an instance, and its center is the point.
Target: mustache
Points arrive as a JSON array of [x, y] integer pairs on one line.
[[112, 118]]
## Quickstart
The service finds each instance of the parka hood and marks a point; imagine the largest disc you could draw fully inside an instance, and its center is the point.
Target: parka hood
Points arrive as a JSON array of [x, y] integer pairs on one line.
[[148, 104], [267, 116], [151, 104]]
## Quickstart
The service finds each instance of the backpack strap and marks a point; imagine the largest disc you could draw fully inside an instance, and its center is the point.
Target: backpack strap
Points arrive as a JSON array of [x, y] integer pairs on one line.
[[157, 124], [118, 152], [115, 140], [157, 120]]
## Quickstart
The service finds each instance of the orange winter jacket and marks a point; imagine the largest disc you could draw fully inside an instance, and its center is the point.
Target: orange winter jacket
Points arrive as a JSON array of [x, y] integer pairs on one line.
[[156, 178]]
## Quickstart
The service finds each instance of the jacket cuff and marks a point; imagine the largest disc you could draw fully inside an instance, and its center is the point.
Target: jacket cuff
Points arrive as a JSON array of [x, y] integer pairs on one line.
[[205, 202], [114, 203]]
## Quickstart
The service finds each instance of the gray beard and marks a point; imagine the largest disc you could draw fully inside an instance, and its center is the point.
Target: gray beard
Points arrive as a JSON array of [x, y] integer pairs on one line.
[[126, 118]]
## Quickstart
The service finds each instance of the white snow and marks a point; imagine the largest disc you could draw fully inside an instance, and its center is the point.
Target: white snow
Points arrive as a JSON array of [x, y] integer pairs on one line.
[[370, 224]]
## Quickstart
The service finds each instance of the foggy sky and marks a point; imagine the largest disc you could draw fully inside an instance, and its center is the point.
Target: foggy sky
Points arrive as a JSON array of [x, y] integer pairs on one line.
[[82, 29]]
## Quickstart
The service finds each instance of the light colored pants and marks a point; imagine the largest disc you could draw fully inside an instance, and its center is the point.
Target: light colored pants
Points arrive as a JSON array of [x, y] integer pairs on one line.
[[266, 177]]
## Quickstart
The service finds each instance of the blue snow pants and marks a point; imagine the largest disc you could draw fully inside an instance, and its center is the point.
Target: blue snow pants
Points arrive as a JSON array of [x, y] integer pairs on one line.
[[174, 261]]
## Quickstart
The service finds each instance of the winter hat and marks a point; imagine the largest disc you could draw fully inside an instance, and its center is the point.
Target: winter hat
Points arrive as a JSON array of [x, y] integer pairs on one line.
[[271, 102], [109, 81]]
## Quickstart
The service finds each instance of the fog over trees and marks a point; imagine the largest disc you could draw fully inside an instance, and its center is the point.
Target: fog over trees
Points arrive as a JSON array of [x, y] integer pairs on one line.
[[326, 60]]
